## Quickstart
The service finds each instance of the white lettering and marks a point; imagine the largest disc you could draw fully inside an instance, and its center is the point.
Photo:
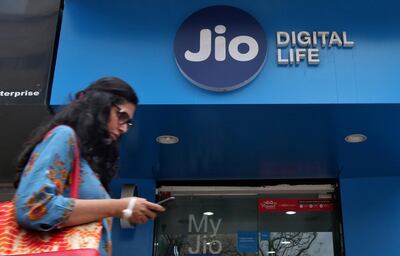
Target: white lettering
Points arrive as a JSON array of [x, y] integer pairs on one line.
[[281, 60], [282, 39], [335, 40], [293, 38], [203, 221], [347, 44], [303, 38], [304, 45], [291, 56], [300, 55], [197, 251], [234, 48], [204, 47], [218, 246], [315, 38], [323, 35], [220, 44], [204, 244], [215, 228], [313, 56]]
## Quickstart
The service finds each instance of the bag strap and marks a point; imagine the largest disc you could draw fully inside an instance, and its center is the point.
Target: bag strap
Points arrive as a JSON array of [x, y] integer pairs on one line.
[[75, 175], [76, 168]]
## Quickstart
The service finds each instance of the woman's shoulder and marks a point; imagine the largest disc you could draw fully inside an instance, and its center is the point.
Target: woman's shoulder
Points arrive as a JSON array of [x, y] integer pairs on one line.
[[61, 131]]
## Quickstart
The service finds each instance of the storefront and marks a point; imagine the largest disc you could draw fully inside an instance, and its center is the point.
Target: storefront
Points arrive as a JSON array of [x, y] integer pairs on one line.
[[257, 94], [268, 220]]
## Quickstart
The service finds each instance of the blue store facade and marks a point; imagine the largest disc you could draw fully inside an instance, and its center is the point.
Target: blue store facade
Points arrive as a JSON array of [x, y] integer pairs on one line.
[[273, 120]]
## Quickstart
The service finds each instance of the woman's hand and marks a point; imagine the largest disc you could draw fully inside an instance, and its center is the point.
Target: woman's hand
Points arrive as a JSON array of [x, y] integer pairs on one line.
[[143, 210], [90, 210]]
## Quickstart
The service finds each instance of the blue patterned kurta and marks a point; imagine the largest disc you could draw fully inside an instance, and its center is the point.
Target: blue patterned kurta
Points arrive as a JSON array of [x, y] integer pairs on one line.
[[42, 198]]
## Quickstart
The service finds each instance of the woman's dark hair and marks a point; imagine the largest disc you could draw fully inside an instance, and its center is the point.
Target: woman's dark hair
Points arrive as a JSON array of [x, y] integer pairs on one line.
[[88, 115]]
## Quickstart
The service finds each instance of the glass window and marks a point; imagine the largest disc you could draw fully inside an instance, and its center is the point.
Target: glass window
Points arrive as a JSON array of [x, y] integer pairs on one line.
[[247, 225]]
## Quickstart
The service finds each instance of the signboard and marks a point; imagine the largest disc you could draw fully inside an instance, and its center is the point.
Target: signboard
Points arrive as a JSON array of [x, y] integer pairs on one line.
[[264, 236], [295, 204], [28, 32], [295, 47], [220, 48], [247, 241]]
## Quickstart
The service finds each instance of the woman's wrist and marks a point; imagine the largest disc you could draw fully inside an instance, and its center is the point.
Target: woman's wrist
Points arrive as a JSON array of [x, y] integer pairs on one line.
[[127, 212], [118, 205], [121, 205]]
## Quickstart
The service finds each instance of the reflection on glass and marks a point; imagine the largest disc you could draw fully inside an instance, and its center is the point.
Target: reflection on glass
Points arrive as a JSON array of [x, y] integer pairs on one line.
[[298, 243], [237, 227]]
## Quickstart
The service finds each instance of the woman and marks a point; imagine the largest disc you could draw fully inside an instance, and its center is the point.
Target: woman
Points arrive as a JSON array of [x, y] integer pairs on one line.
[[94, 121]]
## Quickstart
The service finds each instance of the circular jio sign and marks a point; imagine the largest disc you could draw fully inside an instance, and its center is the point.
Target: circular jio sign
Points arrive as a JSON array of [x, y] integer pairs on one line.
[[220, 48]]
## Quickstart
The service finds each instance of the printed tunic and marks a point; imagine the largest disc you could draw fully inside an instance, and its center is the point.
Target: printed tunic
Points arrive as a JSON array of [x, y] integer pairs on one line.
[[42, 197]]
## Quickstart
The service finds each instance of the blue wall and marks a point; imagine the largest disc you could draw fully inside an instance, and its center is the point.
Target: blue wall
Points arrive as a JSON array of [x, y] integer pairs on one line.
[[371, 210], [135, 41], [139, 240]]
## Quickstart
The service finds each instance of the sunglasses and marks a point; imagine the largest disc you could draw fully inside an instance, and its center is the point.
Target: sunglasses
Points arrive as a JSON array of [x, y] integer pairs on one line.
[[123, 117]]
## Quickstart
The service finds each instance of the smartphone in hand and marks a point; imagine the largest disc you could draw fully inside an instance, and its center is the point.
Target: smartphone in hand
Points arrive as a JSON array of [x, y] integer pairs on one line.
[[166, 202]]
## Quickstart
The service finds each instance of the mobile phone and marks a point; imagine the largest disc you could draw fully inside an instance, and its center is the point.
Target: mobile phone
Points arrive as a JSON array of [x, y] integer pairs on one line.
[[166, 202]]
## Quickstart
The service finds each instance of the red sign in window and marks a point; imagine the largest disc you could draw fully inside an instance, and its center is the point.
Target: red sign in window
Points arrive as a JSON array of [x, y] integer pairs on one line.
[[295, 204]]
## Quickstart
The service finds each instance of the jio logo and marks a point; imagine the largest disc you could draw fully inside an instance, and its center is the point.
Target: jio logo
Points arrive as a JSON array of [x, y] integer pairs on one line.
[[220, 48]]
